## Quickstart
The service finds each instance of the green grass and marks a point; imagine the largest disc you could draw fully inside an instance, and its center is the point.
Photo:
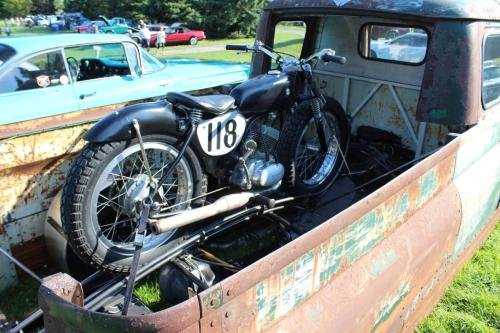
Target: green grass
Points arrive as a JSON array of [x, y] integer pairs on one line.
[[19, 301], [148, 291], [284, 42], [21, 30], [211, 42], [285, 26], [228, 56], [472, 302]]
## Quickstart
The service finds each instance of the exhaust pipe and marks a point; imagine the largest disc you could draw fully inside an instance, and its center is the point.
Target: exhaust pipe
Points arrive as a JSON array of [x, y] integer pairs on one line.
[[221, 205]]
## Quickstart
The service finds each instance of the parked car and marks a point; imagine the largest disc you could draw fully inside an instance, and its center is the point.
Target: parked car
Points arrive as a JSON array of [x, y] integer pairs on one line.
[[28, 20], [116, 25], [38, 80], [88, 26], [388, 32], [410, 47], [179, 34], [491, 79], [74, 19], [42, 21]]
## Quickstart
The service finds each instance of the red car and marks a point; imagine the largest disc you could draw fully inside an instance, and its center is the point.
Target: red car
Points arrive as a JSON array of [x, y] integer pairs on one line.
[[178, 34], [87, 26]]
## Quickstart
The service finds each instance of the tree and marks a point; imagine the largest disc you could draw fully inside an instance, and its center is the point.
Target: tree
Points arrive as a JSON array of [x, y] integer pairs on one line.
[[183, 11], [58, 6], [90, 8], [42, 6], [131, 9], [16, 7], [239, 18]]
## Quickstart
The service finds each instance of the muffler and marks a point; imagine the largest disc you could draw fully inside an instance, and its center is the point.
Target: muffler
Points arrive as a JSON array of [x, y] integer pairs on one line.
[[221, 205]]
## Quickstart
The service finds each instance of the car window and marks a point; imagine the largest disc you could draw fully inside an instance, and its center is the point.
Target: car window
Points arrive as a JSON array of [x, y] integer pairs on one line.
[[88, 62], [41, 71], [6, 52], [491, 71], [132, 56], [394, 44], [149, 63]]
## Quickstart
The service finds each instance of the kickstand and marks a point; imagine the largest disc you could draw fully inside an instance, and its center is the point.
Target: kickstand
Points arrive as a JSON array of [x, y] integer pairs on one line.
[[138, 243]]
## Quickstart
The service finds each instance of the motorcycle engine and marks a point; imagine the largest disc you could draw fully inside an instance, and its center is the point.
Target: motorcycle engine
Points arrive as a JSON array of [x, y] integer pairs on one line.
[[258, 166]]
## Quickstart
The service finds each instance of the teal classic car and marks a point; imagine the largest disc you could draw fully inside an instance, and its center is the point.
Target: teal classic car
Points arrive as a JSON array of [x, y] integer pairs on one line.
[[43, 76], [116, 25]]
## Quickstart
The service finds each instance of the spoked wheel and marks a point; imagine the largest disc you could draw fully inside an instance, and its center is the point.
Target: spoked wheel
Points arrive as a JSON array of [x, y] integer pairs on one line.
[[307, 168], [103, 192]]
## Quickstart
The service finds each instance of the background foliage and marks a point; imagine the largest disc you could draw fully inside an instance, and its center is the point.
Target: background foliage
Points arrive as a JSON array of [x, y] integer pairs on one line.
[[219, 18]]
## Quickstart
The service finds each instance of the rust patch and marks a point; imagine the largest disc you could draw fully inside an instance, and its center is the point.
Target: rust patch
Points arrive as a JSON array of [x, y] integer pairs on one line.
[[42, 124], [34, 255], [65, 287]]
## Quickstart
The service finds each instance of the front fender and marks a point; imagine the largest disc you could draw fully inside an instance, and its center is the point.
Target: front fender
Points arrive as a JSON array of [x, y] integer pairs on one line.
[[154, 118]]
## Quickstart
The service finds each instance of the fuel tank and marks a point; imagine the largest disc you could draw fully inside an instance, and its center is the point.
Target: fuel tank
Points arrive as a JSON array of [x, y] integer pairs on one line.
[[262, 93]]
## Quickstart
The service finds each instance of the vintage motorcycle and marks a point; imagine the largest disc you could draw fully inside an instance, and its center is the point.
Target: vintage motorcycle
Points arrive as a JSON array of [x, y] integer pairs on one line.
[[274, 133]]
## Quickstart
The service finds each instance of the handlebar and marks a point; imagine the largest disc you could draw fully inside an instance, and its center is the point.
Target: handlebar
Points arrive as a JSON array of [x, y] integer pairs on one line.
[[243, 48], [325, 55], [328, 57]]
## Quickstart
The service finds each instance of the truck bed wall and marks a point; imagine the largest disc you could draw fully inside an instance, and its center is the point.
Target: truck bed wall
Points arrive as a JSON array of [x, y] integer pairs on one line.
[[379, 265]]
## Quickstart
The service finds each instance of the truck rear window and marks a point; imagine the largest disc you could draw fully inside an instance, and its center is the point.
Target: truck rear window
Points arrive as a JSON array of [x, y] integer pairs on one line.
[[491, 71], [6, 52], [400, 44]]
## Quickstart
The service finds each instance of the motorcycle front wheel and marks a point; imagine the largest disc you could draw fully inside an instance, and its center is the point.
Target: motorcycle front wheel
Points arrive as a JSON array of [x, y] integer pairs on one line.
[[307, 169], [103, 191]]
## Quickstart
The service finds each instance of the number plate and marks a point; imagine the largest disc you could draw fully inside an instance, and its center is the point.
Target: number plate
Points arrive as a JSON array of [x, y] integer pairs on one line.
[[218, 136]]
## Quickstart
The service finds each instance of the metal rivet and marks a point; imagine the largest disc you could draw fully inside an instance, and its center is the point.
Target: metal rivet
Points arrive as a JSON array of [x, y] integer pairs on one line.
[[212, 323], [228, 293], [228, 314], [212, 302]]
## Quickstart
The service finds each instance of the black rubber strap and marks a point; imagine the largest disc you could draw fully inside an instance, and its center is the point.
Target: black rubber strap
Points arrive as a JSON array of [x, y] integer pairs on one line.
[[138, 243]]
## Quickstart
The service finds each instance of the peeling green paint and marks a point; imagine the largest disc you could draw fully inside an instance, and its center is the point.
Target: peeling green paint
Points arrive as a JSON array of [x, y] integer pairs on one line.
[[428, 187], [438, 114], [363, 235], [473, 150], [479, 189], [303, 283], [330, 257], [286, 292], [382, 263], [214, 299], [279, 294], [389, 307], [261, 297], [397, 212]]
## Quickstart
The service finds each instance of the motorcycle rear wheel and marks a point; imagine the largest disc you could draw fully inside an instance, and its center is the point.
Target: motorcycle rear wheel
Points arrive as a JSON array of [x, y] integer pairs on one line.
[[102, 191]]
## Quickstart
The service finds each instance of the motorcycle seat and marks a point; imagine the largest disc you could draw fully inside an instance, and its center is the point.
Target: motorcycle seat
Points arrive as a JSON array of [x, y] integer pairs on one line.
[[215, 104]]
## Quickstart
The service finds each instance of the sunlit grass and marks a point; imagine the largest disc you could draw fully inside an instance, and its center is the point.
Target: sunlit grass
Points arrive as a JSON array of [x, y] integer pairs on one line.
[[284, 42], [148, 291]]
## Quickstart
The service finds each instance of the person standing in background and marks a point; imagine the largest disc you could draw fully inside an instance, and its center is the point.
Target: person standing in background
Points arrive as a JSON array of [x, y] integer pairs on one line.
[[145, 35], [161, 38], [7, 30]]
